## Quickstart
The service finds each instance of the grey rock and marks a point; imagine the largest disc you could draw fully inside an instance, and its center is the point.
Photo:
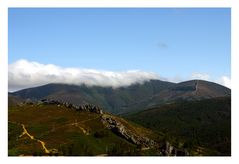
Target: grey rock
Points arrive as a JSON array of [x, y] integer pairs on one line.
[[118, 128], [87, 107]]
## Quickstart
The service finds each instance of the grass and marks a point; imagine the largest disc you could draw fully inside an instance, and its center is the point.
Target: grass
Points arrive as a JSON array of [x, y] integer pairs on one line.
[[54, 125]]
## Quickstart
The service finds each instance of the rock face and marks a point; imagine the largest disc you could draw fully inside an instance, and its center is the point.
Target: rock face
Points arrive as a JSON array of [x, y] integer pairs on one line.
[[145, 143], [28, 102], [118, 128], [170, 150], [87, 108]]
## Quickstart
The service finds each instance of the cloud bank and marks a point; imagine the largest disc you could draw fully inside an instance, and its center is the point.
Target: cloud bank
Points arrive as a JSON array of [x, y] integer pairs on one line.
[[201, 76], [223, 80], [26, 74]]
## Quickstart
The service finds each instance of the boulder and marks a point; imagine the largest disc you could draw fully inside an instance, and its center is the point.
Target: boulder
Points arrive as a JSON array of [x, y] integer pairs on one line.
[[170, 150], [118, 128]]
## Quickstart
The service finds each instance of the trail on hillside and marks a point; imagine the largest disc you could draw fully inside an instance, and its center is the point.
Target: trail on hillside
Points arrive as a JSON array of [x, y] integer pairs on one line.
[[196, 86], [81, 128], [75, 123], [43, 144], [25, 132]]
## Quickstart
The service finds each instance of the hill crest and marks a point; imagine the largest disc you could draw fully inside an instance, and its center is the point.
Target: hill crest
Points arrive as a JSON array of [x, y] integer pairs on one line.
[[126, 99]]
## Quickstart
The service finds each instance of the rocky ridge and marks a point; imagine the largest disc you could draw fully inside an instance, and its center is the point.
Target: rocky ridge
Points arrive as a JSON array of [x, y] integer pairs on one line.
[[117, 127], [86, 108]]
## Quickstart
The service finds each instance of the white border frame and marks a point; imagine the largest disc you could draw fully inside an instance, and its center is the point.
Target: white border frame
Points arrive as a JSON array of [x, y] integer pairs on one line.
[[5, 4]]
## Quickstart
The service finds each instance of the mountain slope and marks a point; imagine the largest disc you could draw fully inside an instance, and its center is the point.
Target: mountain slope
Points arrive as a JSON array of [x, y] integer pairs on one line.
[[110, 99], [55, 128], [203, 123], [189, 90], [127, 99], [188, 118], [193, 90], [14, 100]]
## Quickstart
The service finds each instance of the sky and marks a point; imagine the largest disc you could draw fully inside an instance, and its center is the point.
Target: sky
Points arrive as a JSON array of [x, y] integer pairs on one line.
[[106, 46]]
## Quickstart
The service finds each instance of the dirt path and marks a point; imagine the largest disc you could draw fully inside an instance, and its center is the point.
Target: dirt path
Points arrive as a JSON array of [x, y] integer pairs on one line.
[[145, 148], [77, 124], [89, 119], [25, 132], [196, 86], [43, 144]]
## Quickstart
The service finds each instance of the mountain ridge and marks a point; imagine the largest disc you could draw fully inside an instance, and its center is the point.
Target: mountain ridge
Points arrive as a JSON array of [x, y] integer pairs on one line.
[[154, 118], [126, 99]]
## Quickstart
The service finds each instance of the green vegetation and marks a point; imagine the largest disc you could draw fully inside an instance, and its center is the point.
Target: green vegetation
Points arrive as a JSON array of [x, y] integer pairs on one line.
[[18, 145], [66, 132], [204, 125], [124, 99], [187, 118]]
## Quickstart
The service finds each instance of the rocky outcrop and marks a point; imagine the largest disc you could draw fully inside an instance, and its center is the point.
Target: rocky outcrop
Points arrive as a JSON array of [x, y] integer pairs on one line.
[[28, 102], [170, 150], [87, 108], [118, 128], [91, 108]]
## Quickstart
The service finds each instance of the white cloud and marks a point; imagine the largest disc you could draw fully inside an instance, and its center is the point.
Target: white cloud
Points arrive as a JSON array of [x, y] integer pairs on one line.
[[200, 76], [224, 80], [25, 74]]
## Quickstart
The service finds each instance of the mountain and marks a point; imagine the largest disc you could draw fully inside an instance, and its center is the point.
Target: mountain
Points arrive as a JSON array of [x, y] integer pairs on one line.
[[14, 100], [189, 90], [127, 99], [53, 128], [193, 90], [203, 123], [154, 118]]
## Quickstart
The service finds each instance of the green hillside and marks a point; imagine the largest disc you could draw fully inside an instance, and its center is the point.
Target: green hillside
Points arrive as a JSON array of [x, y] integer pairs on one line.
[[114, 100], [126, 99], [162, 118], [39, 129], [202, 124]]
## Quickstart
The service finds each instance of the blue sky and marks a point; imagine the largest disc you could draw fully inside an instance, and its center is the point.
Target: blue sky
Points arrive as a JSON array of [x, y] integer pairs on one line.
[[168, 41]]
